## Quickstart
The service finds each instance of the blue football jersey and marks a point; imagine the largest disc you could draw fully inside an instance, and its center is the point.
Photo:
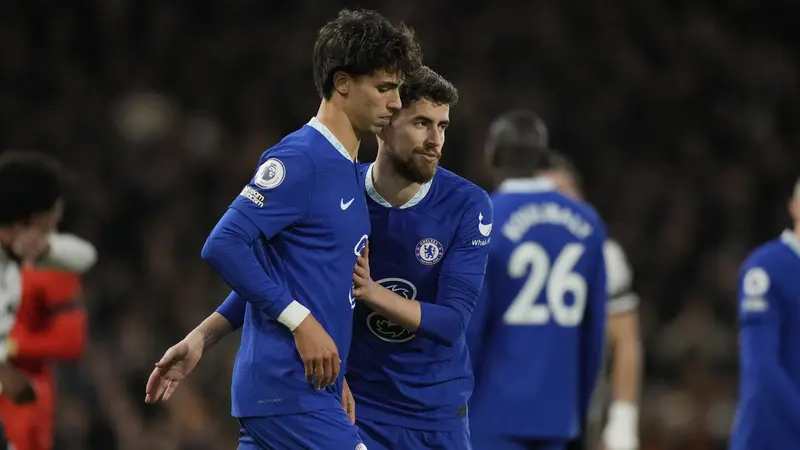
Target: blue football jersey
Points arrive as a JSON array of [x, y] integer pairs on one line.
[[433, 249], [537, 334], [306, 208], [768, 414]]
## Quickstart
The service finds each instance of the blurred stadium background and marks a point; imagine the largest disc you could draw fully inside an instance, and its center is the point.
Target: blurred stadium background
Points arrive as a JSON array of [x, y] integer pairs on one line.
[[683, 117]]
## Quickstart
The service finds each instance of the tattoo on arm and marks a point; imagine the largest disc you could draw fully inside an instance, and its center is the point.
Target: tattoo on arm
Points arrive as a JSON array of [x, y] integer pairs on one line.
[[213, 329], [209, 337]]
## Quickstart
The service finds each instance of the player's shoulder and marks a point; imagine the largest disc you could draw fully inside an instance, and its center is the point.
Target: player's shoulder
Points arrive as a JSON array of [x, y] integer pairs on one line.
[[774, 263], [618, 268], [582, 209], [301, 144], [773, 253], [774, 258], [614, 251], [290, 159], [458, 189]]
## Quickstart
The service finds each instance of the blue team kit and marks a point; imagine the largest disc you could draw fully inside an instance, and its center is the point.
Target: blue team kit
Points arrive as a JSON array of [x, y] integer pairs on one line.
[[768, 414], [305, 221], [536, 337], [411, 389], [414, 387]]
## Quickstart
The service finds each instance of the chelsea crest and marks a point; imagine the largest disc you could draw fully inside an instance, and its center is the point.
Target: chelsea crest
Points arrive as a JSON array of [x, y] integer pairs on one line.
[[429, 251]]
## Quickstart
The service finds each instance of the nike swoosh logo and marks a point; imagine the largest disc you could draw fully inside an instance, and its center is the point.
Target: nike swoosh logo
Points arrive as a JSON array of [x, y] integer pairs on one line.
[[484, 229], [344, 205]]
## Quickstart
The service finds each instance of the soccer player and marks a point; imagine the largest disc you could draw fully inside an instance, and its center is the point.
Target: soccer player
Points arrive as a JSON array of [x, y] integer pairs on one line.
[[621, 430], [31, 205], [289, 242], [768, 415], [537, 334], [50, 326], [409, 369]]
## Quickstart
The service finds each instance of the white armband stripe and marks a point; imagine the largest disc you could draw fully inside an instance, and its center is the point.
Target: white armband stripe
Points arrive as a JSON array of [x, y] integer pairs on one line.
[[293, 315]]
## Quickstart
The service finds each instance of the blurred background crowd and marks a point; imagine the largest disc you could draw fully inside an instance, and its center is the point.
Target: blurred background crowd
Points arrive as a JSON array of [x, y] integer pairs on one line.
[[683, 117]]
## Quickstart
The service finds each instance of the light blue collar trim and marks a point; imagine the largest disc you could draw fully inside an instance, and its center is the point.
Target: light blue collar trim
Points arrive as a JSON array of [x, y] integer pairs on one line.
[[373, 193], [790, 239], [326, 133], [526, 185]]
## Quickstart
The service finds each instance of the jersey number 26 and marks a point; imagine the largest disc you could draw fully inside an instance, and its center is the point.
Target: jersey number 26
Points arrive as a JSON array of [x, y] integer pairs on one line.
[[531, 260]]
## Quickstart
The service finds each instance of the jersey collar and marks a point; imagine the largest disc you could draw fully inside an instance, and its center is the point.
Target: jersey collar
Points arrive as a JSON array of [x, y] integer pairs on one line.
[[790, 239], [373, 193], [326, 133], [526, 185]]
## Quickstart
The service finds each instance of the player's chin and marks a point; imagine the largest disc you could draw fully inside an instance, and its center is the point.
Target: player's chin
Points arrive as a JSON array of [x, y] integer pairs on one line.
[[425, 169], [381, 122], [424, 174], [375, 128]]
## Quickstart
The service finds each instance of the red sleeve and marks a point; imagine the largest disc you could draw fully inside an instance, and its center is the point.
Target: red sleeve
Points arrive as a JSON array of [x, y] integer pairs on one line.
[[64, 337]]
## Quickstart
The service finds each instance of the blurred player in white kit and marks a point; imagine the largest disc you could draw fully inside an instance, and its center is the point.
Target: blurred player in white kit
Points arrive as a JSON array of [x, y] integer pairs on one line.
[[621, 430]]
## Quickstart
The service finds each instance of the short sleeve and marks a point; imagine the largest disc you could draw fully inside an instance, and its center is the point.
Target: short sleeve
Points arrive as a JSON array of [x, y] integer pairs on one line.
[[621, 297], [280, 191]]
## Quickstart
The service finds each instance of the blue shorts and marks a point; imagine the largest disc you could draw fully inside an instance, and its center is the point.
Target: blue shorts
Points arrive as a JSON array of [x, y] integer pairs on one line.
[[503, 443], [326, 429], [381, 436]]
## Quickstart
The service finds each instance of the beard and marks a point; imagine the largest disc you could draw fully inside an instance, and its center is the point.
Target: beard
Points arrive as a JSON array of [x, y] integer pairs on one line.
[[414, 168]]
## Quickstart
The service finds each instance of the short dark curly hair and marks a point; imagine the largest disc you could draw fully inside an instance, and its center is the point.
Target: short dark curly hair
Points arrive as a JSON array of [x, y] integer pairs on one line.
[[360, 43], [429, 85], [517, 141], [30, 183]]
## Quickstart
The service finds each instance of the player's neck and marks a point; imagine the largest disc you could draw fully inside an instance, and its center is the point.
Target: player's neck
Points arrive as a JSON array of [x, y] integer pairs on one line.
[[339, 124], [503, 174], [797, 231], [392, 186]]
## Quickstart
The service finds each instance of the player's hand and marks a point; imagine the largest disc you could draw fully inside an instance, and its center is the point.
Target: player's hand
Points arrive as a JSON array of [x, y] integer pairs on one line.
[[30, 244], [362, 279], [176, 364], [15, 385], [348, 403], [318, 352], [9, 349]]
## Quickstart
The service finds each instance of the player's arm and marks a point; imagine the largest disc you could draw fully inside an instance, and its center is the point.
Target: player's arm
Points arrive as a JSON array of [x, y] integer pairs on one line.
[[760, 315], [594, 322], [180, 359], [460, 281], [68, 252], [621, 431], [65, 336], [478, 329], [626, 371], [277, 197], [622, 428]]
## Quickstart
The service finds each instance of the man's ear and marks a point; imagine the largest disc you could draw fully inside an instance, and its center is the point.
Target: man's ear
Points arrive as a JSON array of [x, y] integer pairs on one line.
[[342, 82], [794, 208]]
